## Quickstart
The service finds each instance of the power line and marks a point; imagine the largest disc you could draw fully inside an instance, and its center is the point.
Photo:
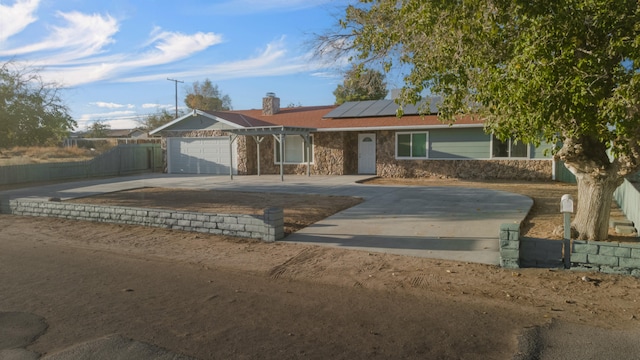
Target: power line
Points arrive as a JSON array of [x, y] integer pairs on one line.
[[176, 82]]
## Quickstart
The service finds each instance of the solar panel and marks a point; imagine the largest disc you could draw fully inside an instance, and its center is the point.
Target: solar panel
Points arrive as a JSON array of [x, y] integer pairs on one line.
[[340, 110], [377, 108], [359, 109], [374, 108]]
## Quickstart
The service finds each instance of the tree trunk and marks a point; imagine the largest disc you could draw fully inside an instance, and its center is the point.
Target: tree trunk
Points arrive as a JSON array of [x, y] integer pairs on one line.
[[595, 195], [598, 177]]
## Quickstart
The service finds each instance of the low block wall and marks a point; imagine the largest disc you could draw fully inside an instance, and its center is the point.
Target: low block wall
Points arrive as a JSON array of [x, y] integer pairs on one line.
[[268, 227], [606, 257], [510, 245]]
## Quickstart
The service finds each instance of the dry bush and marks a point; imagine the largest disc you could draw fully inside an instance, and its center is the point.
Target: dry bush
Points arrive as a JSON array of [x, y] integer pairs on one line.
[[38, 155]]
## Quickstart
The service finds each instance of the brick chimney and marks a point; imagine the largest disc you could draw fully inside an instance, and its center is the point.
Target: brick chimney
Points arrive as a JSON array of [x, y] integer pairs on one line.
[[270, 104]]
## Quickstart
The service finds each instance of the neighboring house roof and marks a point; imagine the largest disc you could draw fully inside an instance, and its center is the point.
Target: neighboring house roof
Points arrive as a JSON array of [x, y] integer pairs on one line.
[[329, 118], [119, 133]]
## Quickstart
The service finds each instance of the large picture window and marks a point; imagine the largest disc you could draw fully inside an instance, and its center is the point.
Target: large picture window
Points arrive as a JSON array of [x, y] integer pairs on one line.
[[508, 149], [412, 145], [294, 150]]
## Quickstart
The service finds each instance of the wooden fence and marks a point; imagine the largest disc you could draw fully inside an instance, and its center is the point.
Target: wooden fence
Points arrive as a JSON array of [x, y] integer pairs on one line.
[[120, 160]]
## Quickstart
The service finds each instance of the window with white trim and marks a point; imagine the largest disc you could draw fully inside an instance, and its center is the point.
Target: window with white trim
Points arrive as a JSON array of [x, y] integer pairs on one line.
[[508, 148], [412, 145], [295, 151]]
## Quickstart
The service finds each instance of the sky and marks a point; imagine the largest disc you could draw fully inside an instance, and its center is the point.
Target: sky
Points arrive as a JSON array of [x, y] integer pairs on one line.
[[113, 58]]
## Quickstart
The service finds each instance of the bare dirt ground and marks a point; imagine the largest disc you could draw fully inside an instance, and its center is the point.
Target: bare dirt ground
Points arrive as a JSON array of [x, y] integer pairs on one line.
[[220, 297]]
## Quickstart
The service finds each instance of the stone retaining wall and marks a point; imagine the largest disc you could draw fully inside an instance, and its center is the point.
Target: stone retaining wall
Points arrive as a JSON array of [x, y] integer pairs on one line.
[[268, 227], [606, 257]]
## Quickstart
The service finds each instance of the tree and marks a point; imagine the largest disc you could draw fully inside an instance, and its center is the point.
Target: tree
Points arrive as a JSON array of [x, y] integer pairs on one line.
[[206, 96], [361, 84], [31, 111], [98, 129], [564, 72], [154, 121]]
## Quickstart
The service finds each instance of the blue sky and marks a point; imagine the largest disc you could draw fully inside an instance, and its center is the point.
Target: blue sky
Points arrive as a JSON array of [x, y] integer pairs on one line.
[[113, 57]]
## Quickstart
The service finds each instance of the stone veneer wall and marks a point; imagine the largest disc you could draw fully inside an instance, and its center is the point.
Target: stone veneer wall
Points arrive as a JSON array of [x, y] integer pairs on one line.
[[268, 227], [389, 166], [246, 151], [329, 158]]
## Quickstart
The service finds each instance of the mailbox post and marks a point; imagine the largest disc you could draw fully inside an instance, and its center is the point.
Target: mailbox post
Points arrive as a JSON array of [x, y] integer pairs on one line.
[[566, 208]]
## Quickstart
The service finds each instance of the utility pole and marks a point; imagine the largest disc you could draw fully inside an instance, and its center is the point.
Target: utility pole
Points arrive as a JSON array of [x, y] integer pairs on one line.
[[176, 82]]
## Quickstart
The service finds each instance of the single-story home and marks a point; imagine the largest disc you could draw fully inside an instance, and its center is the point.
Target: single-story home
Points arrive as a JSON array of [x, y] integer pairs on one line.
[[363, 137]]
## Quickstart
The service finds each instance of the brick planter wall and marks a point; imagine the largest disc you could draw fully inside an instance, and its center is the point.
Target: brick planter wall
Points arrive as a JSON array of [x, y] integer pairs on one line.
[[268, 227]]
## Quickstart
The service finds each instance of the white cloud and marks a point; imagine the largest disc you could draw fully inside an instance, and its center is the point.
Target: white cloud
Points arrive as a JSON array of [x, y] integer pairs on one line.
[[172, 46], [166, 47], [271, 61], [15, 18], [111, 117], [110, 105], [81, 36], [157, 106]]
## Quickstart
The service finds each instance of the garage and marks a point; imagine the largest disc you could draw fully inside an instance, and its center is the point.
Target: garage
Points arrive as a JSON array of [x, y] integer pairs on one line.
[[200, 156]]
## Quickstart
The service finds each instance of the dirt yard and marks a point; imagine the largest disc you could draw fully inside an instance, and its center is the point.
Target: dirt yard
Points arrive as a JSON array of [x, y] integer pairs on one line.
[[221, 297]]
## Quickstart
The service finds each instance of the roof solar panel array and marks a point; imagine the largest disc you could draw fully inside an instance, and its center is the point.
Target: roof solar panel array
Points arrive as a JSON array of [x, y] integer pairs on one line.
[[374, 108]]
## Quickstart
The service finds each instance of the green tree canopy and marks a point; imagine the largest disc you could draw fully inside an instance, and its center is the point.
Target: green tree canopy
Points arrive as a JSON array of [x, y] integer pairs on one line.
[[157, 119], [565, 72], [31, 111], [207, 96], [361, 84], [98, 129]]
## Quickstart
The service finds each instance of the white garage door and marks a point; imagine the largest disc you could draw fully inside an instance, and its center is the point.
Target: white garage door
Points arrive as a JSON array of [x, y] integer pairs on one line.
[[200, 156]]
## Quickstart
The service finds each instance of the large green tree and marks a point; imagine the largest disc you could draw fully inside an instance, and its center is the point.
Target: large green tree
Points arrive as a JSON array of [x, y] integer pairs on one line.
[[206, 96], [361, 84], [31, 111], [565, 72], [157, 119], [98, 129]]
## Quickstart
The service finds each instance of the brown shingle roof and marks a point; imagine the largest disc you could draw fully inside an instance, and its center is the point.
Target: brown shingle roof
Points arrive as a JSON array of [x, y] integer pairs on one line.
[[312, 116]]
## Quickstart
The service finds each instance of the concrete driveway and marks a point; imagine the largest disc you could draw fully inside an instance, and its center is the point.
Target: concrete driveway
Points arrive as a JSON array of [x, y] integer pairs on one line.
[[436, 222]]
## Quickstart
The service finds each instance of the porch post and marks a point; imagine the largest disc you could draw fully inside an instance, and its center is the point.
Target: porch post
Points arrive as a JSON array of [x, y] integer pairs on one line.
[[258, 140], [282, 157], [232, 138], [307, 148]]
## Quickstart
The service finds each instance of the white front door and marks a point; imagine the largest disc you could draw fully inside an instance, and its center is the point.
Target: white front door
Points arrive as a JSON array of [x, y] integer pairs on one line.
[[366, 153]]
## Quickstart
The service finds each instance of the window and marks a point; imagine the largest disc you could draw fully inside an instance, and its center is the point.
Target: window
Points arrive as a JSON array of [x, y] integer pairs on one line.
[[411, 145], [508, 149], [295, 151]]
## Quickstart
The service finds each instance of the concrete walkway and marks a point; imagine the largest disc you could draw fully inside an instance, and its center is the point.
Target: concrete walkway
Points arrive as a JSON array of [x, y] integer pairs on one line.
[[435, 222]]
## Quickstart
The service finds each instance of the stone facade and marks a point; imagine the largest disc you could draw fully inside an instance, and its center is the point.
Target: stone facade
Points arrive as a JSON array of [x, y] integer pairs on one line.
[[328, 157]]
